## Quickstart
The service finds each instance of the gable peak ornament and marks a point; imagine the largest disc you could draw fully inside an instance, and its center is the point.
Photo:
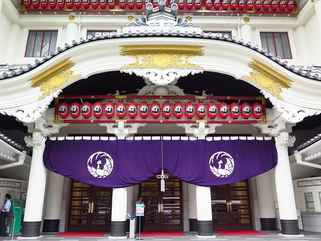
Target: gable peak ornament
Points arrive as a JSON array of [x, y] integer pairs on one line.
[[161, 64]]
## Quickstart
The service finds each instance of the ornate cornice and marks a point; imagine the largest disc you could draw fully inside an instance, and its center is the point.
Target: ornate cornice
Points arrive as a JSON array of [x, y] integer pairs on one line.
[[55, 78], [267, 79]]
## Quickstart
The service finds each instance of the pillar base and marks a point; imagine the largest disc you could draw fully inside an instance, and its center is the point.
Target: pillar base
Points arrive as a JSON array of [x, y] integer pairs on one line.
[[118, 229], [205, 228], [192, 224], [290, 227], [50, 226], [31, 229], [268, 224]]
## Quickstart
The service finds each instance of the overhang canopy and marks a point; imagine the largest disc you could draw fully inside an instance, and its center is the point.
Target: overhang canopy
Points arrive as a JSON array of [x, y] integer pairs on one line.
[[25, 93]]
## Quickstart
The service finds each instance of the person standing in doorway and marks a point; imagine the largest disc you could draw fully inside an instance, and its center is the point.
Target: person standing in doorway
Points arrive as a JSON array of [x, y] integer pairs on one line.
[[5, 215], [140, 206]]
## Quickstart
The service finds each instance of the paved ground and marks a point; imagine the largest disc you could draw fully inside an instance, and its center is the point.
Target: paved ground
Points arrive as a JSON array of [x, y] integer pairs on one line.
[[265, 237]]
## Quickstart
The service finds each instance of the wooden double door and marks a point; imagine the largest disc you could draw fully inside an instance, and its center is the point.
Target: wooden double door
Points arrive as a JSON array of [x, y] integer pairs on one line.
[[90, 208], [163, 210], [231, 206]]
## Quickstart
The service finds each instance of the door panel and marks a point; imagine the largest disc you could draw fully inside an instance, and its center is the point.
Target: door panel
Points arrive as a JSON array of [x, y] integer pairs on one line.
[[90, 208], [163, 210], [231, 206]]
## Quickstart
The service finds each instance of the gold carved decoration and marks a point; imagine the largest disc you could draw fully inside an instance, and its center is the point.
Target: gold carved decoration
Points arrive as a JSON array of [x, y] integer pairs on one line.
[[55, 77], [267, 79], [162, 56]]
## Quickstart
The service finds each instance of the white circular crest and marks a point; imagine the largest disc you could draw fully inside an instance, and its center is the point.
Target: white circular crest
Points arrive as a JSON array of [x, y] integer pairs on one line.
[[100, 164], [221, 164]]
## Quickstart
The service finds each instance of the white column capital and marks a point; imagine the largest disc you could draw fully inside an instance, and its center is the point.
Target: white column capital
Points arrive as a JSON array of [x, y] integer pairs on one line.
[[36, 140], [200, 130], [121, 129]]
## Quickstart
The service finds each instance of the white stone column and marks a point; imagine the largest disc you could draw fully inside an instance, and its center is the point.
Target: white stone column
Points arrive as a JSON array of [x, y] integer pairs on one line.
[[36, 188], [284, 187], [192, 218], [264, 184], [54, 194], [72, 30], [204, 211], [119, 213]]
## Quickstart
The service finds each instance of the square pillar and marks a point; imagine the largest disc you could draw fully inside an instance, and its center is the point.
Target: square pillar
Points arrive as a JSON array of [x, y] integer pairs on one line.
[[204, 211], [119, 213]]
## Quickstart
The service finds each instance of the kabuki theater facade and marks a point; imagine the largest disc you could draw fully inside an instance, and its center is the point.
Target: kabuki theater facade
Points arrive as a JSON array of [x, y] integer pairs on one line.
[[208, 110]]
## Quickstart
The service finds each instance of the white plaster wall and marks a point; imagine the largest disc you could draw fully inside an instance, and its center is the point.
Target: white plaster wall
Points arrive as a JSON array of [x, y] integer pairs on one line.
[[5, 26], [313, 39]]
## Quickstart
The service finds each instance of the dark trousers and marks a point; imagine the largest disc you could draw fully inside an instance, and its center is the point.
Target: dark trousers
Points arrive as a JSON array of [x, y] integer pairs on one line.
[[139, 221], [3, 223]]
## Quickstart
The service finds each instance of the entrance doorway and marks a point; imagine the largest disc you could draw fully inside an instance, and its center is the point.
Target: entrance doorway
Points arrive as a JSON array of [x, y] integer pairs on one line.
[[231, 206], [163, 210], [90, 208]]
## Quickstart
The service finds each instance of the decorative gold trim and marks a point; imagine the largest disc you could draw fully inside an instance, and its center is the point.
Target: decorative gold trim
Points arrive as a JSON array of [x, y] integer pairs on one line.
[[267, 79], [55, 77], [161, 56]]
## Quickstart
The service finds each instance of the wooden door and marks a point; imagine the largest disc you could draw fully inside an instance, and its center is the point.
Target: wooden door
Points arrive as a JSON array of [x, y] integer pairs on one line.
[[231, 206], [90, 208], [163, 210]]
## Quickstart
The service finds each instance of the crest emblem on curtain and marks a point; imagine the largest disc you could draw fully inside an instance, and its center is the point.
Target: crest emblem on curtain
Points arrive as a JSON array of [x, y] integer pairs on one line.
[[100, 164], [221, 164]]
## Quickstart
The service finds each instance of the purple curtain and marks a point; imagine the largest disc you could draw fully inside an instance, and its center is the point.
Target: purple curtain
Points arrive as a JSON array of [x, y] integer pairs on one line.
[[121, 163]]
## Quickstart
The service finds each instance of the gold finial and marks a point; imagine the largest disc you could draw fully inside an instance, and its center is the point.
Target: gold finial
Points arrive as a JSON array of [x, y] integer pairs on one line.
[[71, 17], [246, 19], [131, 18]]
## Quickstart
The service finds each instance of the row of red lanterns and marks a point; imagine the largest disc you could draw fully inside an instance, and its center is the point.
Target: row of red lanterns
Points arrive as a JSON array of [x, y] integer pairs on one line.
[[234, 5], [252, 5], [156, 110], [60, 5]]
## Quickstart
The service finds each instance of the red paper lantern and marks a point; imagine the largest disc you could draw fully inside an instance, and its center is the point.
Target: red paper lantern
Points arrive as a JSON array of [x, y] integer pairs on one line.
[[223, 110], [27, 4], [52, 4], [132, 110], [143, 110], [181, 4], [77, 4], [155, 110], [103, 4], [75, 110], [189, 110], [69, 4], [60, 4], [234, 5], [130, 4], [257, 110], [35, 4], [109, 110], [235, 110], [189, 5], [139, 4], [120, 110], [122, 4], [242, 5], [208, 4], [250, 5], [63, 110], [246, 110], [167, 110], [43, 4], [201, 110], [226, 5], [111, 4], [198, 4], [94, 4], [212, 110], [98, 109], [178, 110], [86, 110], [85, 4]]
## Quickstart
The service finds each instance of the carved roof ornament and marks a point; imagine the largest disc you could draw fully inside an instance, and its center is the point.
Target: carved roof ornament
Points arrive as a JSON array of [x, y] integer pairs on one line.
[[161, 19]]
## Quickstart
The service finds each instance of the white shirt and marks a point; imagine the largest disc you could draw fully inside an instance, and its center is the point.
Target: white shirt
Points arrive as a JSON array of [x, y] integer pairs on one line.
[[7, 206]]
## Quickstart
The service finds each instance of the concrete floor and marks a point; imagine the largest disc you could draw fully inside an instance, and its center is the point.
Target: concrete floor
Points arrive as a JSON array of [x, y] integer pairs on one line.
[[264, 237]]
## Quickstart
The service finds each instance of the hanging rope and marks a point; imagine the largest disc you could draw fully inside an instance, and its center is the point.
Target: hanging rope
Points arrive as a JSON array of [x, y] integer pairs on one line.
[[162, 186]]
